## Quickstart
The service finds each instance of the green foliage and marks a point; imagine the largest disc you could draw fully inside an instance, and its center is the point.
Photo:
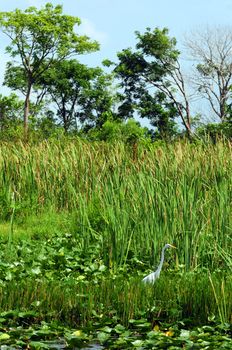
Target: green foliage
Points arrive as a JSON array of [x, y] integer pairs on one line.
[[161, 114], [97, 102], [52, 275], [65, 82], [81, 94], [10, 112], [157, 43], [113, 131], [84, 222], [148, 76], [37, 39], [133, 197], [215, 132], [42, 32], [18, 331], [100, 217]]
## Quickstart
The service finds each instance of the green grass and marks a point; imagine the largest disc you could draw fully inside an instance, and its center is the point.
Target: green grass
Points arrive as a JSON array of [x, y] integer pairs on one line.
[[179, 193], [80, 205], [173, 298]]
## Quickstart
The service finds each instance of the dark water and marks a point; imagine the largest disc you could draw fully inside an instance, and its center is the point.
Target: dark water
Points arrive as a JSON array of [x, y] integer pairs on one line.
[[62, 345]]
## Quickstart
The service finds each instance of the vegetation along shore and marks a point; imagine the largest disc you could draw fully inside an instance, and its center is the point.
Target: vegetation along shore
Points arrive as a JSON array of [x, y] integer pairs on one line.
[[89, 197]]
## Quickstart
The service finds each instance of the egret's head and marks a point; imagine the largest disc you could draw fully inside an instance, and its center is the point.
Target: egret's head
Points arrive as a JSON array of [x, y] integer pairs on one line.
[[169, 246]]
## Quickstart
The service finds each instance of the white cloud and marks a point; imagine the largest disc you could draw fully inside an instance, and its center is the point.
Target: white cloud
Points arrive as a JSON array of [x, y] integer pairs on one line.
[[88, 28]]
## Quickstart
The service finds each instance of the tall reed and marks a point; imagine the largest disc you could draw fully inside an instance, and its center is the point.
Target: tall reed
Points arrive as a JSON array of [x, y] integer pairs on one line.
[[131, 205], [174, 297]]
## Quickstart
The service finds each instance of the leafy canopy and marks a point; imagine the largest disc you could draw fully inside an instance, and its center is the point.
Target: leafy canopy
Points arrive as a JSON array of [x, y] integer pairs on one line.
[[77, 91], [43, 34], [38, 39], [144, 75]]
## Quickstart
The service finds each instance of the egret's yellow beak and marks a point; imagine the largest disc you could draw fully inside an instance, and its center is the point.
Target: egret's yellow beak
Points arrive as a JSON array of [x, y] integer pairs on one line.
[[173, 246]]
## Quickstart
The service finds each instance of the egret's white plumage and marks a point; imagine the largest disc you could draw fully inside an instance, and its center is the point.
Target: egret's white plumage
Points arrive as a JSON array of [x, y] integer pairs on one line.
[[152, 277]]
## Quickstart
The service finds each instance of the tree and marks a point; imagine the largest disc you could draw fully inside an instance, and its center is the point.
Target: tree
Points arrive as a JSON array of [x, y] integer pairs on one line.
[[153, 81], [80, 93], [160, 112], [211, 48], [64, 83], [10, 111], [97, 102], [38, 38]]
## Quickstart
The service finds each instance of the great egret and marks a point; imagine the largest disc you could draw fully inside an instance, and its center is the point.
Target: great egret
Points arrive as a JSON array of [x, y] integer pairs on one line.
[[152, 277]]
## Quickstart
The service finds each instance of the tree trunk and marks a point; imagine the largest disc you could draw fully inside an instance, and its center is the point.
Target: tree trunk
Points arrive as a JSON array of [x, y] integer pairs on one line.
[[27, 110]]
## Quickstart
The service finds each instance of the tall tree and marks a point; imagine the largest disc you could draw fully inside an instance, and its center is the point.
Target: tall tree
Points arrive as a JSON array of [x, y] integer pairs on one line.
[[80, 93], [151, 77], [38, 38], [211, 49]]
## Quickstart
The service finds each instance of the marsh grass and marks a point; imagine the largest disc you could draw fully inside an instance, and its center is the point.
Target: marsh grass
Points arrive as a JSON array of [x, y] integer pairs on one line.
[[173, 298], [127, 206], [179, 193]]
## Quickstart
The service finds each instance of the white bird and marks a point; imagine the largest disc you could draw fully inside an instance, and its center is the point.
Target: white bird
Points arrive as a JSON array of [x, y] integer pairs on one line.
[[152, 277]]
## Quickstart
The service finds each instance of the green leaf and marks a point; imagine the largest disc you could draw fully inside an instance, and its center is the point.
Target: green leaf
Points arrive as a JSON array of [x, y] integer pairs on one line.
[[137, 343], [106, 329], [103, 337], [4, 336], [38, 345]]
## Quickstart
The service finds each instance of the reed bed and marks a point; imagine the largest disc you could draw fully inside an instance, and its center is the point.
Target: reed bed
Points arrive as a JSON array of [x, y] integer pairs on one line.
[[174, 298], [131, 203]]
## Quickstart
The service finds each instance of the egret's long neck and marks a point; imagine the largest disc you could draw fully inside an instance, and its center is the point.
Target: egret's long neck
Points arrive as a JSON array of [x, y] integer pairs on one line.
[[161, 260]]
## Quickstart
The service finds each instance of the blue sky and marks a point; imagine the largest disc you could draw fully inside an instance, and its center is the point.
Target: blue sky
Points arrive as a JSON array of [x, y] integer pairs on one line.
[[113, 22]]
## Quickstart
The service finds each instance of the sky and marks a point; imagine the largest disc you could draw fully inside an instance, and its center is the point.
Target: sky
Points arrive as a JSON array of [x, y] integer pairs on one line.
[[113, 22]]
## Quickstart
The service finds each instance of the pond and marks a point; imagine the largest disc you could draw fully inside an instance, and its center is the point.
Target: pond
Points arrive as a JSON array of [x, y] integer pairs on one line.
[[143, 336]]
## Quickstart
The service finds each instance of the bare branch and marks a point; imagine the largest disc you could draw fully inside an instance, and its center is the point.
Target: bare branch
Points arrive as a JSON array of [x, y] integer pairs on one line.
[[211, 48]]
